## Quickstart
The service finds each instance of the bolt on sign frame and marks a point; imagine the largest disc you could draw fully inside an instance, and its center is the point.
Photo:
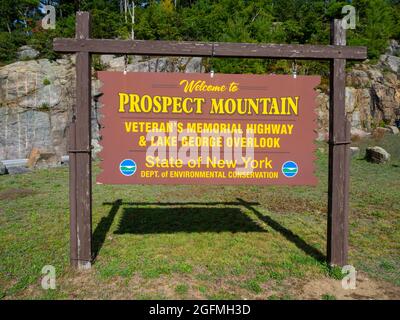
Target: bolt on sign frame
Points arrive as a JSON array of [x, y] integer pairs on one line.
[[80, 129]]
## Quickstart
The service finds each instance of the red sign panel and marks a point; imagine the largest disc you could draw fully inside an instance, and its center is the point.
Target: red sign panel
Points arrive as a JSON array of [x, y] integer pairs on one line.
[[177, 128]]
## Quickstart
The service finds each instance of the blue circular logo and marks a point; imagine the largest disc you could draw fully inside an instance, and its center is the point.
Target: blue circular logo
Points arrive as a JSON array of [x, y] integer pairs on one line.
[[127, 167], [290, 169]]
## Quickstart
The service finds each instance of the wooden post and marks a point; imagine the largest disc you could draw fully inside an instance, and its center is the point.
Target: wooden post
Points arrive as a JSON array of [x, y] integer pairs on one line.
[[339, 156], [80, 156]]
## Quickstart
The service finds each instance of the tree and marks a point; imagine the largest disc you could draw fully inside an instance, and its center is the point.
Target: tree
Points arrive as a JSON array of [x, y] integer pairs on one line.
[[375, 26], [277, 21], [12, 12]]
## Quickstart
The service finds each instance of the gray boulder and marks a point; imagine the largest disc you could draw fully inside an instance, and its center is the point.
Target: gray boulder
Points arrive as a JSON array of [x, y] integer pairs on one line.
[[394, 48], [377, 155], [393, 129], [357, 134], [3, 169], [18, 170], [394, 63], [27, 53], [379, 132], [43, 159], [354, 151], [391, 62]]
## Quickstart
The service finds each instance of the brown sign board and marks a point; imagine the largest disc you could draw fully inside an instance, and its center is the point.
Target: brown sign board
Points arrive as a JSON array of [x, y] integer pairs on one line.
[[177, 128]]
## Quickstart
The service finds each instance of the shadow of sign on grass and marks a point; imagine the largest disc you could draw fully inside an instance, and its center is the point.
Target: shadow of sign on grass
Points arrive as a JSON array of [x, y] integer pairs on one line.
[[174, 217], [186, 219]]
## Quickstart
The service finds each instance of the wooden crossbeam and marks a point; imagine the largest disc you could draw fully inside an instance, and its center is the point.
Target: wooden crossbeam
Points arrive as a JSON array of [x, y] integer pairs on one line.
[[209, 49]]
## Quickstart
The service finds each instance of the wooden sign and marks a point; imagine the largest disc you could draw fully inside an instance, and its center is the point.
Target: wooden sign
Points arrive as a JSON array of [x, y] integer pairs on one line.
[[176, 128], [81, 254]]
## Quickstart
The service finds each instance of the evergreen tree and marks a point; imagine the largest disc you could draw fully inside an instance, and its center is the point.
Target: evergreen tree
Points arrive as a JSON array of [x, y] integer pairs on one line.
[[267, 21]]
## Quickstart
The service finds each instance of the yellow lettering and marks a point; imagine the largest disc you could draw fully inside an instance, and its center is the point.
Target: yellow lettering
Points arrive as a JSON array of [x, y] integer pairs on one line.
[[123, 100]]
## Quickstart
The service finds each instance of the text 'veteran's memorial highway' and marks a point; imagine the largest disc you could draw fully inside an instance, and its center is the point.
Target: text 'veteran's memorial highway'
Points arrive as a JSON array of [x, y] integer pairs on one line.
[[176, 128]]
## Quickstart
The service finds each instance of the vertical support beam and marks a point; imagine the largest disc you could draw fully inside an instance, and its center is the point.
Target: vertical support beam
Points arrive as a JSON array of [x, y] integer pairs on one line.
[[80, 166], [339, 156], [73, 242]]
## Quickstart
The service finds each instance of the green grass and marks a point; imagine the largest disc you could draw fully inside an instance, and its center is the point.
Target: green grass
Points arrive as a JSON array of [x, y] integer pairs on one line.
[[163, 242], [182, 289], [328, 297], [253, 286]]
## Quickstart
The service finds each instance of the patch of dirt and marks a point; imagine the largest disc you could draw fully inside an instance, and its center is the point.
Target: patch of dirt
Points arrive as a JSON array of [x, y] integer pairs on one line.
[[12, 194], [366, 289], [288, 205], [283, 203], [87, 285]]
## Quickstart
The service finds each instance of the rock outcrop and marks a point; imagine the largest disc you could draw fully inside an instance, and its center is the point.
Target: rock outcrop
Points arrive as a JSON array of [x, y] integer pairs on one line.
[[372, 95], [27, 53], [36, 98]]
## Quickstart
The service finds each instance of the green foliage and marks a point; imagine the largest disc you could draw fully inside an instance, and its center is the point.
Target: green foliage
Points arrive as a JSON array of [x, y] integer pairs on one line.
[[13, 12], [9, 43], [97, 64], [266, 21], [335, 272], [44, 107], [253, 286], [375, 26], [327, 296], [334, 10], [158, 22], [181, 289], [106, 24]]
